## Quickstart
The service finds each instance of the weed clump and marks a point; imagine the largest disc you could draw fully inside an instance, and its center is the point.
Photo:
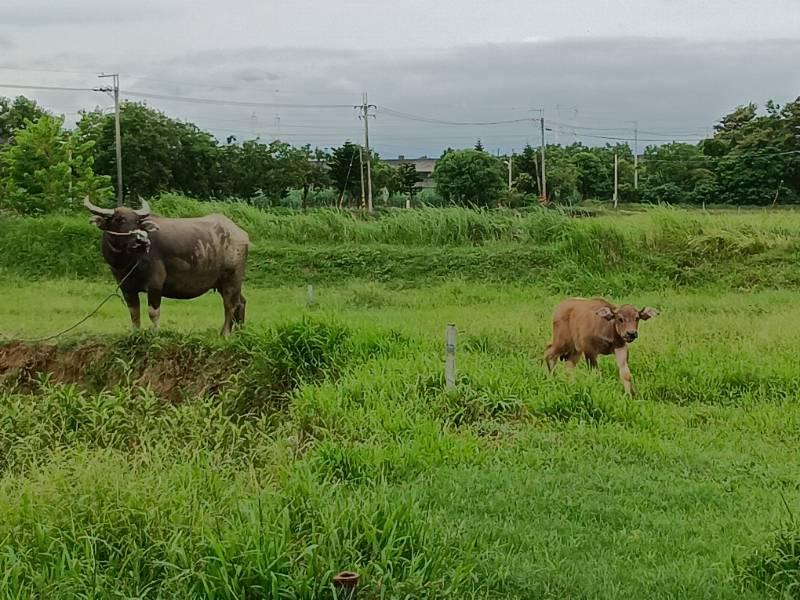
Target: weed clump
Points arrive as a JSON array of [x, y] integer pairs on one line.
[[775, 568]]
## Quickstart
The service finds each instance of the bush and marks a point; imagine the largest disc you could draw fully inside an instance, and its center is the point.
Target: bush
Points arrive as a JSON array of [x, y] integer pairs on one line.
[[47, 170], [775, 568]]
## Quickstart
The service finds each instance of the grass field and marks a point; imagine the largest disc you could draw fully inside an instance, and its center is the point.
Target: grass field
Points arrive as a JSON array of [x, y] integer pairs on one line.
[[330, 443]]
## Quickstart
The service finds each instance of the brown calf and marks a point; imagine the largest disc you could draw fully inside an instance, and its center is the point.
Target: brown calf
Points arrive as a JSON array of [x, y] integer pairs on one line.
[[594, 327]]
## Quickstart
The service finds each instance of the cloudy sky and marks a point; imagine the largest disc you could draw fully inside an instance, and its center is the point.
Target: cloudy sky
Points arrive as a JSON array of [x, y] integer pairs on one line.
[[277, 68]]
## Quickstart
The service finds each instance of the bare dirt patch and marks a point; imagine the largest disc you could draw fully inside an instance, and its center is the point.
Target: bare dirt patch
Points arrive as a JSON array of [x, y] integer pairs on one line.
[[92, 366]]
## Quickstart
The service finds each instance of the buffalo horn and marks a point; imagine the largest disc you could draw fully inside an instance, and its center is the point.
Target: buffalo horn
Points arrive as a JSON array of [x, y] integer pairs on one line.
[[104, 212], [145, 210]]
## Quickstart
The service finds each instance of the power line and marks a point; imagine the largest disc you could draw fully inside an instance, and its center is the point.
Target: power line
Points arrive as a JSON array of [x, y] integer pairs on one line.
[[630, 139], [71, 71], [666, 133], [705, 157], [579, 131], [46, 88], [221, 102], [410, 117]]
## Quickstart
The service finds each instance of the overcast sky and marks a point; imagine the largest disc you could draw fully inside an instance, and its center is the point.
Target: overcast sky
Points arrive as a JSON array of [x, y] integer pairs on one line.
[[595, 66]]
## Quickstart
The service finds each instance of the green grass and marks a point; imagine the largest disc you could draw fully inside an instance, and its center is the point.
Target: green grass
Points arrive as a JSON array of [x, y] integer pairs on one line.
[[614, 253], [319, 439], [328, 442]]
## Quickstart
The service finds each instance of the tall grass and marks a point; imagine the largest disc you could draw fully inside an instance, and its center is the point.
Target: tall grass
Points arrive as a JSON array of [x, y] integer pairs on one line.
[[314, 445], [167, 465], [615, 253]]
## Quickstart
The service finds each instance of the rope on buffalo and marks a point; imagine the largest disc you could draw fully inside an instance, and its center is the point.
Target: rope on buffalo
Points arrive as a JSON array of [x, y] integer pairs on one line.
[[88, 316]]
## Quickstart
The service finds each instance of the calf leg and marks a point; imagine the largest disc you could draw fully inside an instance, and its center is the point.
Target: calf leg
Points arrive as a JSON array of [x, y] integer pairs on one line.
[[624, 372], [551, 356], [154, 306], [591, 360], [572, 362], [132, 300]]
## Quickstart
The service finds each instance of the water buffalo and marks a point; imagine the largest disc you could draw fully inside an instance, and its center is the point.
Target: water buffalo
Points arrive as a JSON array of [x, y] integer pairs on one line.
[[173, 258], [594, 327]]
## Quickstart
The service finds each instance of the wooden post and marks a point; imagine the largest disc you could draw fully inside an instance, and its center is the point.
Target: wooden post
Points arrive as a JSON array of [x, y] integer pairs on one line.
[[346, 585], [450, 361], [778, 191]]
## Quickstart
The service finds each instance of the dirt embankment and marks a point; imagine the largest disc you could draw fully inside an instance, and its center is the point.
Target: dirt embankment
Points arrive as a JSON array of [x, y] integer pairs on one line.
[[95, 365], [259, 368]]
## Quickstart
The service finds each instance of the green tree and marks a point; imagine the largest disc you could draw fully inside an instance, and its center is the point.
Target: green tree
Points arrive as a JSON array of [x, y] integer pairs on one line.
[[149, 146], [469, 178], [196, 167], [309, 171], [47, 169], [676, 173], [593, 174], [756, 153], [158, 153], [527, 166], [256, 170], [407, 179], [344, 167], [384, 178], [14, 114], [562, 174]]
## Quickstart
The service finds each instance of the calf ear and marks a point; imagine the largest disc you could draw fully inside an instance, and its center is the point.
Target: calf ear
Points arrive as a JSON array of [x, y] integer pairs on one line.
[[647, 313], [605, 313], [148, 225]]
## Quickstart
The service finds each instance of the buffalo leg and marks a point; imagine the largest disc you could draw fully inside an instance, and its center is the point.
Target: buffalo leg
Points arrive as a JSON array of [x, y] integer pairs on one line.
[[154, 306], [238, 315], [230, 299], [591, 361], [132, 300], [624, 371]]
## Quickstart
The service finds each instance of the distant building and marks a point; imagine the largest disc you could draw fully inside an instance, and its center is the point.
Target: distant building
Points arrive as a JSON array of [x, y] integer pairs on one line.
[[423, 165]]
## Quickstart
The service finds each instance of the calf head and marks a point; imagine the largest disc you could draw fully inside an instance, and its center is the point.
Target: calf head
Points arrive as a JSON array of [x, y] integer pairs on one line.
[[626, 319], [124, 223]]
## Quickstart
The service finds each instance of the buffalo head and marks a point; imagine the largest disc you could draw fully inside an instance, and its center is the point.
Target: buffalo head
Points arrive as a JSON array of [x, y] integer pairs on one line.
[[122, 222]]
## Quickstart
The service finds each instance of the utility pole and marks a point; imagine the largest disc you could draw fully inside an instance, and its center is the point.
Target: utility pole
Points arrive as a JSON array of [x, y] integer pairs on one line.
[[365, 108], [361, 168], [616, 178], [510, 162], [114, 90], [544, 177], [69, 160], [636, 155]]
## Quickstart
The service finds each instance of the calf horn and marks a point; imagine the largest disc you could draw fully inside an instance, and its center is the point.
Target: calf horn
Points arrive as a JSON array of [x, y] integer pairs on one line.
[[104, 212], [145, 210]]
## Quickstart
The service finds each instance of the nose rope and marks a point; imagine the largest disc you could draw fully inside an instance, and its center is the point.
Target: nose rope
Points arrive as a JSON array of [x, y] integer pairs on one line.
[[140, 234], [114, 294], [135, 232]]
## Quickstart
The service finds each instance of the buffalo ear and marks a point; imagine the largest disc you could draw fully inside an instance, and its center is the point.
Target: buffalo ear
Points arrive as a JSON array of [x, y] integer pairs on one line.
[[148, 225], [605, 313], [100, 221], [647, 313]]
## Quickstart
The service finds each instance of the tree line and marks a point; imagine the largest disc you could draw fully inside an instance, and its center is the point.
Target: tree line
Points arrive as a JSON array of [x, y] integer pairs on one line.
[[752, 158]]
